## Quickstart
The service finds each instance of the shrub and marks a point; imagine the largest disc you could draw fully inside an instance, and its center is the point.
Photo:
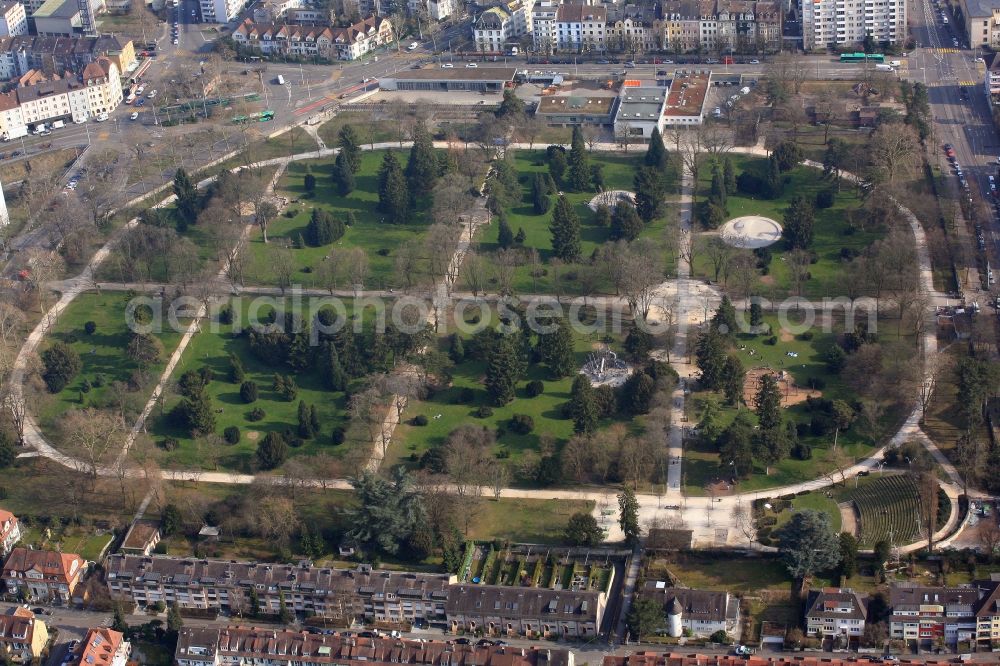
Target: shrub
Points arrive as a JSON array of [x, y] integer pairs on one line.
[[231, 435], [534, 388], [769, 521], [773, 340], [248, 392], [824, 199], [339, 435], [90, 327], [382, 252], [522, 424], [466, 395], [764, 535], [226, 314], [61, 364], [817, 383], [100, 379], [805, 335], [169, 444], [802, 451], [256, 414], [483, 412], [419, 420]]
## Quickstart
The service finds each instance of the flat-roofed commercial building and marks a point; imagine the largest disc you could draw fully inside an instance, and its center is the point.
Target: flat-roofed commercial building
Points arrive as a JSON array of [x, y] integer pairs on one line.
[[444, 79]]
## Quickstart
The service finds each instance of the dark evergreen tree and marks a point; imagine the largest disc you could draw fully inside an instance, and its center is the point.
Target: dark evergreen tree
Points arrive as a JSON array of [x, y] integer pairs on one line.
[[656, 154], [309, 181], [60, 365], [649, 193], [187, 199], [314, 423], [556, 349], [724, 319], [768, 403], [565, 230], [583, 405], [602, 216], [774, 181], [628, 517], [520, 236], [540, 195], [248, 392], [800, 217], [579, 169], [342, 175], [511, 107], [236, 370], [334, 377], [717, 193], [729, 175], [625, 222], [557, 166], [422, 166], [323, 228], [505, 237], [305, 428], [393, 198], [736, 446], [272, 451], [733, 376], [456, 348], [350, 145], [710, 357], [503, 369], [637, 393]]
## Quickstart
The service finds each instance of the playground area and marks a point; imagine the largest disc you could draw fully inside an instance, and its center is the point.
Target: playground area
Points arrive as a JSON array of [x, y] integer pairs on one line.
[[791, 393]]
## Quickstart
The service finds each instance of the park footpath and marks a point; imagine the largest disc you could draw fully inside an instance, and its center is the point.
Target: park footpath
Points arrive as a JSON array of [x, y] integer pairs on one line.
[[712, 519]]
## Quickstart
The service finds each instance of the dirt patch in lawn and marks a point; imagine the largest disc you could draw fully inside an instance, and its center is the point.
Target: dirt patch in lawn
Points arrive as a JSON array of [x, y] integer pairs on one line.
[[848, 521], [791, 393], [253, 435]]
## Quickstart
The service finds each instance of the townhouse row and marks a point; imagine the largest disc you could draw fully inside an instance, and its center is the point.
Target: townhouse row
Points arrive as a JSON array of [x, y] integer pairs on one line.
[[345, 595], [323, 41], [930, 616], [679, 26]]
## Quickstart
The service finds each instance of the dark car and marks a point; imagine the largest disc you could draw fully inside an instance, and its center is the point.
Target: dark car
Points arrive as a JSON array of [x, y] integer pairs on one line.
[[661, 72], [462, 641]]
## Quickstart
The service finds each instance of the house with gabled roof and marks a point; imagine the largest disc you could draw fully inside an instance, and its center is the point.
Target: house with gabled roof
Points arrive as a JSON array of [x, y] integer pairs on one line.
[[10, 532], [322, 41], [42, 575]]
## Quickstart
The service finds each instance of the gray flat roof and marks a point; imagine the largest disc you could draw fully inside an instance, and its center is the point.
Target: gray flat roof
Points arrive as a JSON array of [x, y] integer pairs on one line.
[[981, 8], [459, 73], [641, 103]]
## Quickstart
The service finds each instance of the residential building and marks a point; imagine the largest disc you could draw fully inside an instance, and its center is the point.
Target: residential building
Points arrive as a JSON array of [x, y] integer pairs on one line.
[[982, 22], [491, 30], [306, 16], [933, 614], [10, 528], [988, 611], [640, 110], [42, 575], [634, 28], [687, 658], [221, 11], [13, 19], [18, 55], [697, 612], [42, 99], [343, 594], [206, 646], [581, 28], [272, 11], [23, 636], [141, 537], [992, 78], [835, 611], [322, 41], [831, 23], [102, 647], [517, 611], [719, 26], [543, 25]]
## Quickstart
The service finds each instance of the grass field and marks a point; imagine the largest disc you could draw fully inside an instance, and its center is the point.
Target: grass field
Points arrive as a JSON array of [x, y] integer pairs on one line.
[[212, 349], [444, 414], [378, 240], [619, 171], [701, 463], [732, 574], [102, 354], [831, 230], [369, 127]]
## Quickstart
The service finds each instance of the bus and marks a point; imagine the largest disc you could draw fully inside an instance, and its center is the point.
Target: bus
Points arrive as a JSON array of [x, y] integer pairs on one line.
[[861, 57], [258, 117]]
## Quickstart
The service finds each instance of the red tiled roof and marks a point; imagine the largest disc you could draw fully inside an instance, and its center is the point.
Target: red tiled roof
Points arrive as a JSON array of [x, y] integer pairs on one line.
[[61, 566]]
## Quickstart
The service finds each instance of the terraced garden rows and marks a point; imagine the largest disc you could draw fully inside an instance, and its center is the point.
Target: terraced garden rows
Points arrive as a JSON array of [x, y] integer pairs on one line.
[[888, 509]]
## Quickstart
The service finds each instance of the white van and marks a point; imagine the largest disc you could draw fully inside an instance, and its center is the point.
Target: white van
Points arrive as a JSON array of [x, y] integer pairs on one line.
[[281, 80], [881, 67], [514, 50], [57, 124]]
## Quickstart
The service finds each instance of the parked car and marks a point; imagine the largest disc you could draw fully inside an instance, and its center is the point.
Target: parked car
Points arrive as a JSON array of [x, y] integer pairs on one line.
[[134, 115]]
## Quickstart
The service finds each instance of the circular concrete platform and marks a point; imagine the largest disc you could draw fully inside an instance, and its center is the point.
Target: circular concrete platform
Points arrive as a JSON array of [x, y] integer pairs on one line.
[[751, 231]]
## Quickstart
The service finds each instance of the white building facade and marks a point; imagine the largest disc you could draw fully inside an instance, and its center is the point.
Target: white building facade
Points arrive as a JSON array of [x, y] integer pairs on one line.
[[827, 23], [13, 19]]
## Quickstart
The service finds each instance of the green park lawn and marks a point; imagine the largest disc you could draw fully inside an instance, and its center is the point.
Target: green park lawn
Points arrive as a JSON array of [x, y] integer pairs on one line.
[[211, 349], [102, 354], [701, 461], [379, 241], [619, 172], [831, 231], [444, 413], [370, 129]]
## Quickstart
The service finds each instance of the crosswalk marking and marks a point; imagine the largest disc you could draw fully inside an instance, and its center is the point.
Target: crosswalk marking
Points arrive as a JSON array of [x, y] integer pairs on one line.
[[942, 51], [968, 83]]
